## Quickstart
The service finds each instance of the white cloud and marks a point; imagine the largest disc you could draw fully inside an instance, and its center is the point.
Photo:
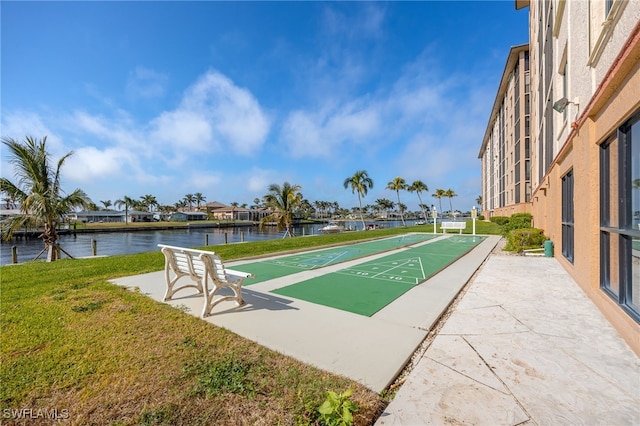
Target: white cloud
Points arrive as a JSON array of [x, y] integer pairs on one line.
[[234, 116], [257, 180], [119, 130], [367, 23], [146, 83], [301, 134], [322, 134], [21, 124], [202, 181], [183, 130], [89, 163]]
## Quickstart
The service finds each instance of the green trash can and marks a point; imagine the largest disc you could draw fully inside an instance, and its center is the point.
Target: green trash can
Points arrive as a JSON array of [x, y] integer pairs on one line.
[[548, 248]]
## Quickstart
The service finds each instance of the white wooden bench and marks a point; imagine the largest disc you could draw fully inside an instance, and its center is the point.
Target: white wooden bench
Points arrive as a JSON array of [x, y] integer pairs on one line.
[[207, 273], [453, 225]]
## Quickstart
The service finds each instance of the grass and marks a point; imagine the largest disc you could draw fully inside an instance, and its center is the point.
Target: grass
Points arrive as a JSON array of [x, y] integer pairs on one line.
[[75, 343]]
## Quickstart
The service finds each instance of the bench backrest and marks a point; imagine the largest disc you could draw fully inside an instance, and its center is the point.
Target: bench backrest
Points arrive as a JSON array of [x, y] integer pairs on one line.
[[454, 225], [215, 265], [186, 260]]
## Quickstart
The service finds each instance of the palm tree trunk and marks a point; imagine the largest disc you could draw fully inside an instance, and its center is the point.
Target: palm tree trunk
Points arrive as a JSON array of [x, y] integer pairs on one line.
[[400, 208], [424, 213], [361, 217]]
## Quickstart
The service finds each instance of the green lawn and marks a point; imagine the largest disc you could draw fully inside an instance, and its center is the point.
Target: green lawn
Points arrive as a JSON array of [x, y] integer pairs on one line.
[[99, 354]]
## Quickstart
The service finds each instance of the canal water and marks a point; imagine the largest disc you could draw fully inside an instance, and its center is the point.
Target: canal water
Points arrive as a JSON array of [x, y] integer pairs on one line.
[[113, 243]]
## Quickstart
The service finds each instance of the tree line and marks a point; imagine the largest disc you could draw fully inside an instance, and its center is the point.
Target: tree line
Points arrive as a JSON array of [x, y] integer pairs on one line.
[[43, 203]]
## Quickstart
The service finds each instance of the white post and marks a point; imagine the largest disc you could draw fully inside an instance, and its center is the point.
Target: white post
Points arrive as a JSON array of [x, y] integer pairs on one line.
[[474, 214], [435, 218]]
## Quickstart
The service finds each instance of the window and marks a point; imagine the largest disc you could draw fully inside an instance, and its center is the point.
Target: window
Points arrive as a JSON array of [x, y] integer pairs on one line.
[[563, 77], [603, 17], [620, 217], [567, 216]]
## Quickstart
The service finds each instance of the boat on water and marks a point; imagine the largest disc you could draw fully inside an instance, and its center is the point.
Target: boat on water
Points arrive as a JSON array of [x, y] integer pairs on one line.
[[332, 228]]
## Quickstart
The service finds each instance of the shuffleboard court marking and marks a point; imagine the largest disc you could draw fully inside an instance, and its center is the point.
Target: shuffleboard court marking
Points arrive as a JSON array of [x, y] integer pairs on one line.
[[368, 287], [311, 261], [408, 269], [283, 266], [397, 265]]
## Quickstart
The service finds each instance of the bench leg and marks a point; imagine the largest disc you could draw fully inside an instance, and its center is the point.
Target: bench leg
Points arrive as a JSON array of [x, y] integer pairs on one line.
[[171, 283], [210, 301]]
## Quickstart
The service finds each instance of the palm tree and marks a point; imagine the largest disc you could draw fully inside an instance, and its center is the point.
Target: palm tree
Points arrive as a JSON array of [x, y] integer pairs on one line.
[[127, 202], [283, 200], [418, 186], [306, 208], [38, 192], [439, 194], [450, 193], [382, 204], [398, 184], [190, 199], [360, 183], [402, 207], [198, 198], [234, 206], [9, 203], [106, 204], [148, 201]]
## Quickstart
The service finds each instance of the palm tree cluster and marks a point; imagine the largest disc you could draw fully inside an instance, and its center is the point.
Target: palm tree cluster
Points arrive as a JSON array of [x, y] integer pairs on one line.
[[441, 193], [360, 183]]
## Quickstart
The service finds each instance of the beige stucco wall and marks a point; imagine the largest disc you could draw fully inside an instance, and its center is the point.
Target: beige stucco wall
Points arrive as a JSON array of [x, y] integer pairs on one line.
[[614, 103]]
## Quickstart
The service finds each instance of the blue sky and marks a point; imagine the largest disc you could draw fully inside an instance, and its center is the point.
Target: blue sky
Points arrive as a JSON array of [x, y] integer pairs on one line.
[[225, 98]]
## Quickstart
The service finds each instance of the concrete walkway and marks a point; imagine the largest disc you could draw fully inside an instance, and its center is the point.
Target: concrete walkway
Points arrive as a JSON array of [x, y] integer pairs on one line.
[[523, 346]]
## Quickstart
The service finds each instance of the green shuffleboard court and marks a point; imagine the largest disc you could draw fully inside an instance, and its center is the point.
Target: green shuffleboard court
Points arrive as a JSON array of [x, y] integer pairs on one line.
[[370, 286], [265, 270]]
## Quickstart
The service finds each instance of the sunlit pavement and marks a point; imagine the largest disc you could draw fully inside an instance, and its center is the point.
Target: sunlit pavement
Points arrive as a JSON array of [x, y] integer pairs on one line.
[[523, 346]]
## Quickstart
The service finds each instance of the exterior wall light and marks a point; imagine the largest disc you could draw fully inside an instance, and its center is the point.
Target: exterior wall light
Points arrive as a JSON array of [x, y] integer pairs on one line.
[[561, 104]]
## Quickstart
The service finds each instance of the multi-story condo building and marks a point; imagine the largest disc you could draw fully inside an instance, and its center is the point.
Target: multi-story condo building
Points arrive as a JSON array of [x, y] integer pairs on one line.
[[584, 66], [506, 147]]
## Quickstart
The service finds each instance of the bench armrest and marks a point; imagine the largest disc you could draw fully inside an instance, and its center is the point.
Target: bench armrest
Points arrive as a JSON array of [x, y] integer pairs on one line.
[[239, 273]]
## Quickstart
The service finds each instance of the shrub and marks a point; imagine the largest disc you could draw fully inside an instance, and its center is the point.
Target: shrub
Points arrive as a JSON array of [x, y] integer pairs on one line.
[[517, 221], [519, 240], [337, 409], [500, 220]]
